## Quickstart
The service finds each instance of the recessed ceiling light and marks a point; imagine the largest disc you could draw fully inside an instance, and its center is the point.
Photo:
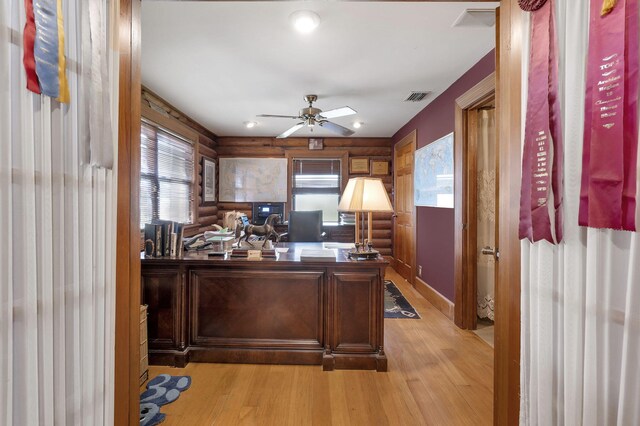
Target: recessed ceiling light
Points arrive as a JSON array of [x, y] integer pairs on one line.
[[357, 124], [250, 124], [304, 21]]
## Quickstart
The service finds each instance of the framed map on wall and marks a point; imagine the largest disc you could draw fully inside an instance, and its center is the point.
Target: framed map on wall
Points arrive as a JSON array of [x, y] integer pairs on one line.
[[433, 174], [252, 179]]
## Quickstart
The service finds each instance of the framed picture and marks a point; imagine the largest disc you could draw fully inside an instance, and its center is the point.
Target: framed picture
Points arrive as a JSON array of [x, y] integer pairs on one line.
[[208, 181], [316, 143], [359, 165], [379, 167]]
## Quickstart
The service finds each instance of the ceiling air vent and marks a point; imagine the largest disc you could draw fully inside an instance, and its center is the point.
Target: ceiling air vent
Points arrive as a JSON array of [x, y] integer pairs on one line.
[[476, 18], [416, 96]]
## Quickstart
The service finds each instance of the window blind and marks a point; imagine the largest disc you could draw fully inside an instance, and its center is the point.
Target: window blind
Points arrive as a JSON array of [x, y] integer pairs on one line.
[[166, 176], [316, 186], [319, 174]]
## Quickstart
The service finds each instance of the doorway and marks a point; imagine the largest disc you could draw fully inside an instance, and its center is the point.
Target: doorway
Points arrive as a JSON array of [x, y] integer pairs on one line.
[[485, 188], [507, 354], [475, 206], [404, 244]]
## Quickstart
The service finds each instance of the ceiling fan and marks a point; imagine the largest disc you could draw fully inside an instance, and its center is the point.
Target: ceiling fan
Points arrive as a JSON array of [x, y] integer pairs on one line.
[[311, 116]]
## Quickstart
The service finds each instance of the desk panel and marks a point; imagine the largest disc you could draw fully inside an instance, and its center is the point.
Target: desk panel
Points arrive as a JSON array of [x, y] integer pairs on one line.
[[251, 307], [279, 311]]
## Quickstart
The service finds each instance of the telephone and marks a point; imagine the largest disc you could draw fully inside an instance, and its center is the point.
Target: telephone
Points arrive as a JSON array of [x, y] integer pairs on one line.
[[197, 242]]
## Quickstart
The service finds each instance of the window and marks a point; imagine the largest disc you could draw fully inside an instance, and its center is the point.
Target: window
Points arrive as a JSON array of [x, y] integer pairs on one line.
[[166, 176], [316, 186]]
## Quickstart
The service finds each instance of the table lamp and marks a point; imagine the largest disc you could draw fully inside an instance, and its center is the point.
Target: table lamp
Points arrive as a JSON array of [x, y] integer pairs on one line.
[[365, 195]]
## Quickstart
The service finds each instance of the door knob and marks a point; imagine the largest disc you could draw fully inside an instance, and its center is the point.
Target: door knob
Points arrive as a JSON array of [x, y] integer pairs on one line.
[[490, 251]]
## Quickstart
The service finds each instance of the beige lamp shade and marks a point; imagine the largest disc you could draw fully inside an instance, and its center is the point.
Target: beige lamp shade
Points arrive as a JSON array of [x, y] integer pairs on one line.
[[365, 194]]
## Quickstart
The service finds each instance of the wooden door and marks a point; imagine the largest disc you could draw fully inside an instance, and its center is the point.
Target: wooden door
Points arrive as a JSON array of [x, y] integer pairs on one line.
[[404, 250]]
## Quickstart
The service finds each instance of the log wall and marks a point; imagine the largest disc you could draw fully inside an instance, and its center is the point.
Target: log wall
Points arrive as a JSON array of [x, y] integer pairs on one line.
[[370, 148]]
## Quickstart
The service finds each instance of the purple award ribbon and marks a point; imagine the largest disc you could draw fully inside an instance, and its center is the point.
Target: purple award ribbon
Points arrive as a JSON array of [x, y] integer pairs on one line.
[[542, 161], [609, 159]]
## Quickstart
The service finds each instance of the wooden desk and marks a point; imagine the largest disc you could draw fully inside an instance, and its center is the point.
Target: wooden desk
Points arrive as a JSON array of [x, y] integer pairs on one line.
[[269, 311]]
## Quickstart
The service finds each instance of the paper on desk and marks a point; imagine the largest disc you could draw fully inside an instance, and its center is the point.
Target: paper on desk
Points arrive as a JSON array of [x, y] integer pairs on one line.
[[282, 249], [339, 245]]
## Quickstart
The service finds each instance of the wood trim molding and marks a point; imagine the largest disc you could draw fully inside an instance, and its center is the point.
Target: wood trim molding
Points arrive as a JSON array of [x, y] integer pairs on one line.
[[440, 302], [465, 198], [479, 93], [410, 137], [149, 97], [506, 390], [290, 154], [170, 123], [127, 326]]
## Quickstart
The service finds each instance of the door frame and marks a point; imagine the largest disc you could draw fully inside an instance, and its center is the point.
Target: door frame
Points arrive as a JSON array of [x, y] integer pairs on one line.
[[410, 139], [465, 201], [509, 43], [127, 305], [508, 125]]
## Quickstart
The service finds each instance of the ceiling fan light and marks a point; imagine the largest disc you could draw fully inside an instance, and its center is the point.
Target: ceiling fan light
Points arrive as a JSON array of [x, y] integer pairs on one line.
[[250, 124], [357, 125], [304, 21]]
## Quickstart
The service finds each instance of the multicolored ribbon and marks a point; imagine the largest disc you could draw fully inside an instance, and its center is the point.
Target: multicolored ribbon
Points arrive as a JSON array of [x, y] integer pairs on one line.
[[542, 174], [609, 159], [44, 59], [29, 38]]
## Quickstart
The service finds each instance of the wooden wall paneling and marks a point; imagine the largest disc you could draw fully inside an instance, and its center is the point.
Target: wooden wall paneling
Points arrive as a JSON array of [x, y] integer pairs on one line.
[[127, 321], [374, 148], [509, 127], [300, 142], [251, 152], [207, 142], [279, 151], [207, 151]]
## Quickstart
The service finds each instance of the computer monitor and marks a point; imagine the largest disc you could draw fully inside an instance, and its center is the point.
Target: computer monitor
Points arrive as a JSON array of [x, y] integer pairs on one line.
[[261, 211]]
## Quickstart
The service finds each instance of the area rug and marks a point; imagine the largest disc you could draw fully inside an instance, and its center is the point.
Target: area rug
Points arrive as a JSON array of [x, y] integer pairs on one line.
[[395, 304], [161, 390]]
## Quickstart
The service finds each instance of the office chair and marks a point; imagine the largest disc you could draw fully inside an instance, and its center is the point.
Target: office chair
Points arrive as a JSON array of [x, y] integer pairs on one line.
[[305, 226]]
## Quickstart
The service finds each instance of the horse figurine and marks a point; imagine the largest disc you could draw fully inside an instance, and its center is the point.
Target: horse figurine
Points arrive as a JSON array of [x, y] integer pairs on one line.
[[267, 230]]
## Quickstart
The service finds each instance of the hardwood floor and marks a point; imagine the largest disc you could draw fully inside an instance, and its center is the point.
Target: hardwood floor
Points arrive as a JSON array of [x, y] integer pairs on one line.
[[438, 375]]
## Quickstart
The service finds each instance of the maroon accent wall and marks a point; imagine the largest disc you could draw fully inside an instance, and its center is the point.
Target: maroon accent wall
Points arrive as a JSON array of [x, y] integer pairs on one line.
[[435, 226]]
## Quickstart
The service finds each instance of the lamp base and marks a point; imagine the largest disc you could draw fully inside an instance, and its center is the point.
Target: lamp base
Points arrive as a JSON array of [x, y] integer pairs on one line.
[[363, 255]]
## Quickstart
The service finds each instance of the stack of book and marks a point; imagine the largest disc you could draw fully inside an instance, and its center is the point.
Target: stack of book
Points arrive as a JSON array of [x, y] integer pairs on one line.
[[240, 252], [163, 238]]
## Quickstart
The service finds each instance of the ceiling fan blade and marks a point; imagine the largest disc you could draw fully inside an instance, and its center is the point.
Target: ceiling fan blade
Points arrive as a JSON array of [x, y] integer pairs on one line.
[[290, 131], [277, 116], [336, 128], [338, 112]]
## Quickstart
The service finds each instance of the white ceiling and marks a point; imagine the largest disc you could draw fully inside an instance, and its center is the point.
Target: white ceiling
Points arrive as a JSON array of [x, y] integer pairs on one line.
[[222, 63]]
